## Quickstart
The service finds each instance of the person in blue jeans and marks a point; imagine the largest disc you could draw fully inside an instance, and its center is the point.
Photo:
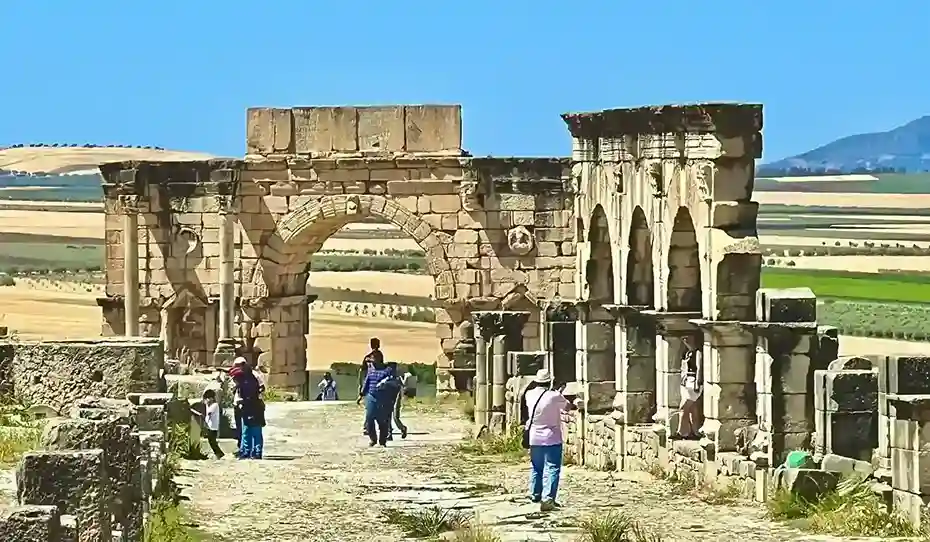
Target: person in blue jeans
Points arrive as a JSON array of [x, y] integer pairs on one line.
[[253, 421], [377, 393], [544, 408]]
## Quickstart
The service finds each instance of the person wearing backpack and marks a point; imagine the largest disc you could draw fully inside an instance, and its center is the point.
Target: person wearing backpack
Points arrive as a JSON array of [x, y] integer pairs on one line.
[[542, 435]]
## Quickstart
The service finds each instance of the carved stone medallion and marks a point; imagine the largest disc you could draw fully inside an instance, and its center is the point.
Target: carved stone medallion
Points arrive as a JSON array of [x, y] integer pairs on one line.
[[520, 240]]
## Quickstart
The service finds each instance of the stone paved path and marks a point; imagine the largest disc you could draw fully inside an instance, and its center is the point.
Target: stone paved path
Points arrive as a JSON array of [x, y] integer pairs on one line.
[[321, 482]]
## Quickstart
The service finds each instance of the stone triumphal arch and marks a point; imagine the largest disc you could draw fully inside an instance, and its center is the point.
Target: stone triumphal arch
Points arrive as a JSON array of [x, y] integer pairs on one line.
[[223, 246]]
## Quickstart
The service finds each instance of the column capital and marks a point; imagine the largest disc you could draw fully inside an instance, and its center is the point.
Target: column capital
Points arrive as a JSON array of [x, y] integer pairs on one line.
[[559, 310], [129, 204], [673, 323], [491, 323]]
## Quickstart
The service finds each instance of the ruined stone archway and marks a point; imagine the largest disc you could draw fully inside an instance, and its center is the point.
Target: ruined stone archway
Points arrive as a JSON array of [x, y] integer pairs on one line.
[[599, 328], [684, 265], [303, 232]]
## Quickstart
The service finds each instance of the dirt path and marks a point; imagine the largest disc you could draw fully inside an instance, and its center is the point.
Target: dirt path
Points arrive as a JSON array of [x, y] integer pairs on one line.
[[321, 482]]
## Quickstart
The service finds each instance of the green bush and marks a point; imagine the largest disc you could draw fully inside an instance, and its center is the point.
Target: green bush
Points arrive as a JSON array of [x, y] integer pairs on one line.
[[884, 320]]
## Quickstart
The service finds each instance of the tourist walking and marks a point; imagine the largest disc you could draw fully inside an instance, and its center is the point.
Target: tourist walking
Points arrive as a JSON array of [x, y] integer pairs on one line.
[[544, 431], [397, 388], [377, 394], [253, 419], [374, 354], [212, 421], [692, 387], [409, 381], [327, 388]]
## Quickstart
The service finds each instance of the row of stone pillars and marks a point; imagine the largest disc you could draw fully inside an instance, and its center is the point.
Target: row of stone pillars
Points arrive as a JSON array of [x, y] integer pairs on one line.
[[129, 209]]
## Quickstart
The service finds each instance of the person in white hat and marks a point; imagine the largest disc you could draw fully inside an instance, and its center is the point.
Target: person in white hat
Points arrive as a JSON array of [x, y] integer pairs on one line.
[[544, 407]]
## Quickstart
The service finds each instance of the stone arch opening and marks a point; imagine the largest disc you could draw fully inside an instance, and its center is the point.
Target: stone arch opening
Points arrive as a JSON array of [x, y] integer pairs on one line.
[[640, 277], [684, 264], [640, 383], [599, 271], [600, 369], [427, 285]]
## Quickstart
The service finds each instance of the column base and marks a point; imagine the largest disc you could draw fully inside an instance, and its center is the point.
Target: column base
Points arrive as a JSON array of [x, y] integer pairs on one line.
[[225, 352]]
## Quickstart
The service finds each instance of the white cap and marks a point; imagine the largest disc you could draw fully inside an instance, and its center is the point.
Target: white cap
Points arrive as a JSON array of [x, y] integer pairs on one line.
[[542, 377]]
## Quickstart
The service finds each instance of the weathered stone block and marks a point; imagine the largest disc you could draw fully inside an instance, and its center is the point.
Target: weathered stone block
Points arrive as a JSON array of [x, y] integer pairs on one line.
[[75, 482], [381, 128], [325, 129], [809, 484], [904, 374], [846, 391], [526, 363], [786, 305], [31, 524], [61, 373], [433, 127]]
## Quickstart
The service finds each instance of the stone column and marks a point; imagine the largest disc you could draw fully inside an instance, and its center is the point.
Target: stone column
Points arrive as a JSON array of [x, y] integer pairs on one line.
[[729, 383], [599, 378], [505, 331], [846, 408], [561, 339], [129, 207], [635, 398], [278, 326], [897, 375], [482, 403], [167, 331], [910, 438], [226, 343], [785, 364]]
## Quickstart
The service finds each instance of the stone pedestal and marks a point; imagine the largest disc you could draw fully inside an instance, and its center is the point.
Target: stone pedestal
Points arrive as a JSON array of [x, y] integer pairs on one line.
[[598, 370], [504, 331], [635, 390], [897, 375], [846, 409], [129, 208], [910, 458]]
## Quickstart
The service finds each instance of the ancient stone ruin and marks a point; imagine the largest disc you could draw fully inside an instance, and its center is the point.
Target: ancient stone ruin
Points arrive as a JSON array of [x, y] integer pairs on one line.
[[592, 267]]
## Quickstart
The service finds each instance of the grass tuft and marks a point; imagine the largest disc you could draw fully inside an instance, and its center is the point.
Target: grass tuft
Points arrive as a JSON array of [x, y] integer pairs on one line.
[[507, 445], [167, 523], [426, 522], [16, 441], [474, 532], [615, 527], [852, 509]]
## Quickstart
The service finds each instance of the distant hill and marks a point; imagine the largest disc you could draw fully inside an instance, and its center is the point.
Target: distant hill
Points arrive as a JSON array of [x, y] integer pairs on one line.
[[903, 149], [63, 160]]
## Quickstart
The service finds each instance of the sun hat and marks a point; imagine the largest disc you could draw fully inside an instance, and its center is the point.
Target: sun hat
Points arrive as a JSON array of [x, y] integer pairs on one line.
[[542, 377]]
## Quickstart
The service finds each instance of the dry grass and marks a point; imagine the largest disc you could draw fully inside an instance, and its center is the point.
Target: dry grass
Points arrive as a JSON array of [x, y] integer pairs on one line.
[[615, 527], [374, 281], [71, 159], [865, 264], [55, 223], [38, 310]]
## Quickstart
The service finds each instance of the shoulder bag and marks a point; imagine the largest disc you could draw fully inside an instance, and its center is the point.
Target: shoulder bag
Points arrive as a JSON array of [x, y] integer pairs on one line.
[[529, 423]]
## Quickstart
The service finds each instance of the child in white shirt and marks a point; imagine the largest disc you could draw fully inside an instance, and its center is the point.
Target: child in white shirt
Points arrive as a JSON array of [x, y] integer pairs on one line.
[[211, 418]]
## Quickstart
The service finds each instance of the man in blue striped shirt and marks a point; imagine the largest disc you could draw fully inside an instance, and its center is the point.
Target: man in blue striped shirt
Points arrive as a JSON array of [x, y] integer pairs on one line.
[[377, 391]]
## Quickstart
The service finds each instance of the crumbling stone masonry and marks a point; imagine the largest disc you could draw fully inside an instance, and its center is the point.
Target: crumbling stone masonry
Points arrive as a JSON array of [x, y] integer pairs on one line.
[[220, 249]]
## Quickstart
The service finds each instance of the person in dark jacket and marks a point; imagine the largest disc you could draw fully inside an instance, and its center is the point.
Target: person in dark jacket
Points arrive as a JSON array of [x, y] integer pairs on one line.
[[249, 406], [377, 393], [373, 355], [394, 405]]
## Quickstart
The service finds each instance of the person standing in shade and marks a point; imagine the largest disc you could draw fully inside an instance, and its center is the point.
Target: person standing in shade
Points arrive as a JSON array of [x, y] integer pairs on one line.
[[692, 387], [544, 408], [377, 406], [327, 388], [410, 384]]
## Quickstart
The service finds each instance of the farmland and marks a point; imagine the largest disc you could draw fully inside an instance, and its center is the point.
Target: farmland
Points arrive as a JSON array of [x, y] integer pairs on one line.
[[813, 232]]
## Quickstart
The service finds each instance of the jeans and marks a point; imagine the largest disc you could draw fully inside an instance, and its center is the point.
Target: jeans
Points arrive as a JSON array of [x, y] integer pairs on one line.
[[252, 442], [214, 445], [396, 411], [546, 463], [377, 413], [237, 414]]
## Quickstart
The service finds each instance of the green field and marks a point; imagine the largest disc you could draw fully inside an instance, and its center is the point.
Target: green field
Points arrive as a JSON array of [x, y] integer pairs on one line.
[[886, 183], [884, 287]]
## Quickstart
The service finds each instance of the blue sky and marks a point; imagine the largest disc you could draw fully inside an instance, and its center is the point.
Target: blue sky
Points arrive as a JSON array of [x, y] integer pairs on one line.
[[181, 74]]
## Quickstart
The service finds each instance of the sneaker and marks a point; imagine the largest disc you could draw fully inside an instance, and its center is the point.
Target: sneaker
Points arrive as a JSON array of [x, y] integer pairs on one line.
[[534, 499], [403, 433], [548, 505], [371, 443], [390, 437]]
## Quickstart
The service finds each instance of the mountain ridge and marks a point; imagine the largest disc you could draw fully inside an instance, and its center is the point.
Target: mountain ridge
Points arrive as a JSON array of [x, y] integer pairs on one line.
[[904, 149]]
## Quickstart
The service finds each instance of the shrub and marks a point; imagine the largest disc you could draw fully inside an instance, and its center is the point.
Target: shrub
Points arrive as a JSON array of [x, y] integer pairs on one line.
[[508, 445], [6, 280], [615, 527], [852, 509], [16, 441], [427, 522]]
